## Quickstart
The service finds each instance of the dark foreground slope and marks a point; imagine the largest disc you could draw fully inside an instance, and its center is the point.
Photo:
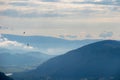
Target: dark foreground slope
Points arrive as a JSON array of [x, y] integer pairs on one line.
[[100, 60], [4, 77]]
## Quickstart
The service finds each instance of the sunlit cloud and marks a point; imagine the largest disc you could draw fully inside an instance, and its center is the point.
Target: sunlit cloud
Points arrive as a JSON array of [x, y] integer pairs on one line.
[[14, 46]]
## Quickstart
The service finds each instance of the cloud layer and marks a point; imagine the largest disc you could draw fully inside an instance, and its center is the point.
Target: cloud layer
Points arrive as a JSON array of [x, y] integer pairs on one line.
[[59, 8], [69, 19]]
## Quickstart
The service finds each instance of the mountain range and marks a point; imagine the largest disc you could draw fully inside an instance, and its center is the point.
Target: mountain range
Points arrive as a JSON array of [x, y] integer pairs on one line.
[[18, 53], [49, 45], [96, 61], [18, 62]]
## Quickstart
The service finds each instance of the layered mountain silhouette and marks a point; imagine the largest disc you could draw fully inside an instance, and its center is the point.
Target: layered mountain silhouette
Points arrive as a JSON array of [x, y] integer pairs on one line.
[[4, 77], [49, 45], [16, 62], [97, 61], [9, 59]]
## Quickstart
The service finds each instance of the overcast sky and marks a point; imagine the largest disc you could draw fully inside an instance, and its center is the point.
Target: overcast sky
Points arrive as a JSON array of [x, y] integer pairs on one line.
[[69, 19]]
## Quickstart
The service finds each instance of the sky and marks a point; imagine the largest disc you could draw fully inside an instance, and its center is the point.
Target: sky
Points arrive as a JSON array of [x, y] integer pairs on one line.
[[68, 19]]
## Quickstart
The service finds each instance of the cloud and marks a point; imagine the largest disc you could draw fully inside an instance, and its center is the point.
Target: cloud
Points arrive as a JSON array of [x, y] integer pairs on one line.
[[50, 0], [68, 36], [16, 13], [19, 3], [62, 36], [59, 8], [3, 27], [1, 3], [103, 2], [106, 34], [14, 46], [88, 36], [71, 36], [55, 51], [9, 12]]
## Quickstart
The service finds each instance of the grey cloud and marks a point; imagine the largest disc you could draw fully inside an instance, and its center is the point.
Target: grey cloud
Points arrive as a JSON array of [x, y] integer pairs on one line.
[[106, 34], [2, 3], [19, 4], [52, 11], [50, 0], [15, 13], [102, 2], [62, 36], [71, 36], [88, 36], [9, 12], [3, 27], [68, 36]]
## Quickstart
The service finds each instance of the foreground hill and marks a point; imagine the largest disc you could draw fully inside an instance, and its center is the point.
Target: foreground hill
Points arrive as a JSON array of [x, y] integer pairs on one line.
[[97, 61], [4, 77]]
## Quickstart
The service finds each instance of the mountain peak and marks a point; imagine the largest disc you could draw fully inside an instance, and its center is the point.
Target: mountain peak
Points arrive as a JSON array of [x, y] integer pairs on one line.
[[109, 41], [104, 43], [96, 60]]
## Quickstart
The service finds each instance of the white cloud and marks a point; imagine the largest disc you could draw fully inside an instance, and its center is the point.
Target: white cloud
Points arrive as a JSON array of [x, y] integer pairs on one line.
[[57, 51], [14, 46], [98, 0]]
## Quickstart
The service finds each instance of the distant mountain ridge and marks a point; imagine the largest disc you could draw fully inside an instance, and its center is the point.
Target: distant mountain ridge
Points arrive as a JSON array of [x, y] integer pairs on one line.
[[100, 60], [16, 56], [50, 45], [18, 51], [22, 59], [10, 62]]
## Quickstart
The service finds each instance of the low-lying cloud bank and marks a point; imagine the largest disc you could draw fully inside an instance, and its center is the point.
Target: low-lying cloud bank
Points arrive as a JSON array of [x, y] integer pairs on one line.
[[14, 45]]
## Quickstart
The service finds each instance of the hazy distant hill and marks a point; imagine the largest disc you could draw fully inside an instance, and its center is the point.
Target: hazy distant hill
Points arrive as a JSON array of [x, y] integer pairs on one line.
[[50, 45], [7, 59], [4, 77], [18, 62], [97, 61], [16, 56]]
